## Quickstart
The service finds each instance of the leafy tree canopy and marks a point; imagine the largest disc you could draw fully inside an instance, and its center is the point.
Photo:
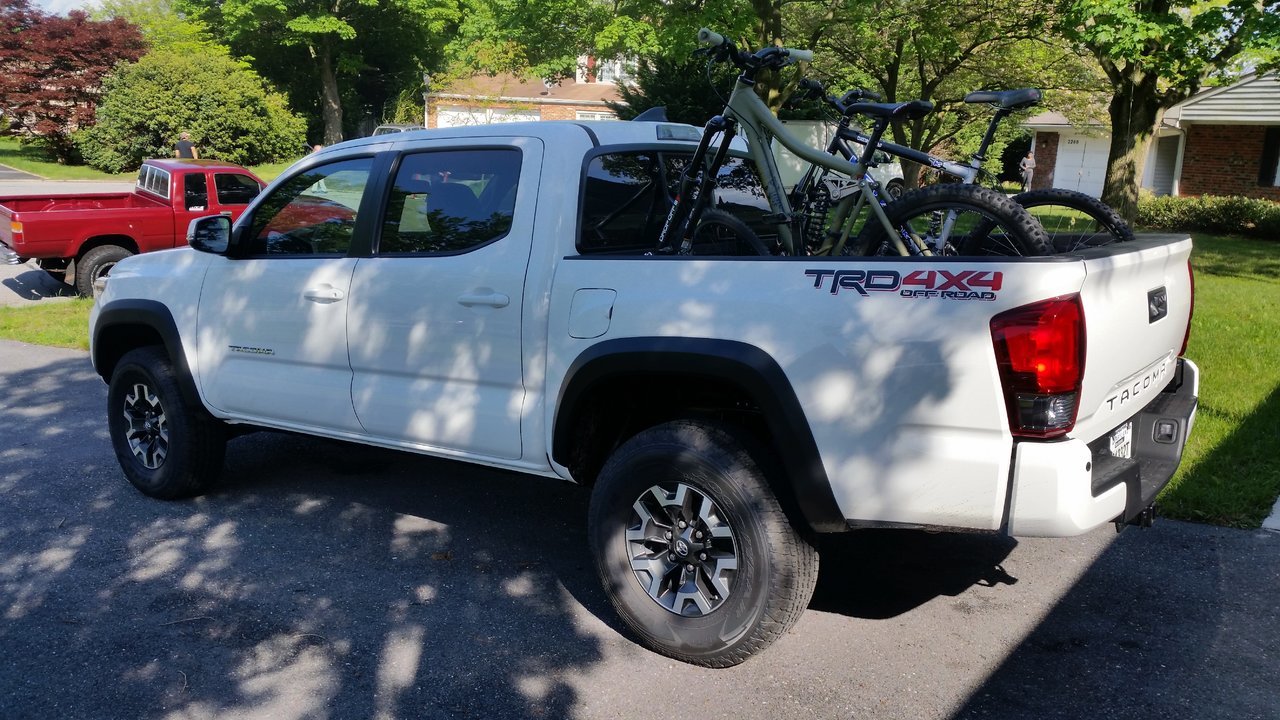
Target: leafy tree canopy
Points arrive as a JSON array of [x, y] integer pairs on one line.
[[223, 104], [51, 70]]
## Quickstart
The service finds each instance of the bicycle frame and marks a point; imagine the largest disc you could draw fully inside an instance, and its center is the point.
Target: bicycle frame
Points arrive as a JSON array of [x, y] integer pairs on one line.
[[746, 110]]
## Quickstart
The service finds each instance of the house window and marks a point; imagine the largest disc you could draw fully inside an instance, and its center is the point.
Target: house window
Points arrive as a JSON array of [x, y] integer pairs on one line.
[[585, 115], [1269, 176]]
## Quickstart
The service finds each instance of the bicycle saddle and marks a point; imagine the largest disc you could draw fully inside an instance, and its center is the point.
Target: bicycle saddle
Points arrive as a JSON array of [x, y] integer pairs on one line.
[[893, 111], [1007, 99]]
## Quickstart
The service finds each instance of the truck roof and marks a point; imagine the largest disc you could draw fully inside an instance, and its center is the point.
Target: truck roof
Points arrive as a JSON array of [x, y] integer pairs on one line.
[[179, 164], [605, 132]]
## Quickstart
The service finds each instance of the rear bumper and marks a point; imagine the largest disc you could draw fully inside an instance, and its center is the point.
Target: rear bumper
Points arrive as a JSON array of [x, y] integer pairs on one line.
[[8, 256], [1067, 488]]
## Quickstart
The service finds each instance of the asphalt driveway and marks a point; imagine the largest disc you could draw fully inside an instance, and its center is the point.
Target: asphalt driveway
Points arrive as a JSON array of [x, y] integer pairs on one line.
[[325, 580]]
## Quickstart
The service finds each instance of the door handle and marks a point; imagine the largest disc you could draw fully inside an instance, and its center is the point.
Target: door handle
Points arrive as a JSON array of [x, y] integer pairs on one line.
[[323, 294], [492, 299]]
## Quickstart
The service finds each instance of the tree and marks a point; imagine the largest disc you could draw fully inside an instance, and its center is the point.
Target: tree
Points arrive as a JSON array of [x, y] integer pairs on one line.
[[51, 70], [681, 86], [161, 24], [942, 50], [223, 104], [331, 42], [1157, 53]]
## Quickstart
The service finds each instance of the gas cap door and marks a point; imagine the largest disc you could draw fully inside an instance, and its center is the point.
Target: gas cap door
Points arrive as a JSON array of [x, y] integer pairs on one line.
[[590, 312]]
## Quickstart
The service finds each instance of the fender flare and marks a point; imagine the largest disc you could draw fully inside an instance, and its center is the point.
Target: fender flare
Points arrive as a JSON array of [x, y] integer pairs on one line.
[[149, 314], [745, 366]]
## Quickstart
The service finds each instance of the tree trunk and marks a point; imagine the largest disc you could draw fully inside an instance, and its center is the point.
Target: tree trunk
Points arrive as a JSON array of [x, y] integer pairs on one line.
[[331, 101], [1133, 112]]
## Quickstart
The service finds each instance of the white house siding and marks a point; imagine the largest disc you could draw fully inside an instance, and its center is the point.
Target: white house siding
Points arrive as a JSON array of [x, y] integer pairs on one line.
[[456, 116], [1253, 101]]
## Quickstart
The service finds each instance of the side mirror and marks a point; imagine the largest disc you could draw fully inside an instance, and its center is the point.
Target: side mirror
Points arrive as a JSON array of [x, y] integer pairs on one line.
[[884, 158], [211, 234]]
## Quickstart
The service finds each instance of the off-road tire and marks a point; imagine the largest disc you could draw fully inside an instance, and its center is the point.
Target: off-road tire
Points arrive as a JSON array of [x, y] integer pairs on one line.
[[167, 447], [720, 233], [1107, 226], [776, 567], [994, 224]]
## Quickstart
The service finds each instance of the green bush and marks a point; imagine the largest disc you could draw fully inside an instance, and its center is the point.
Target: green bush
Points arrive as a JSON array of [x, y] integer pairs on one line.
[[1211, 213], [226, 107]]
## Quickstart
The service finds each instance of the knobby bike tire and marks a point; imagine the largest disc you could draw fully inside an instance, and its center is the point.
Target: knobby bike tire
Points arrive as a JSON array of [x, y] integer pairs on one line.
[[1100, 225], [988, 223], [720, 233]]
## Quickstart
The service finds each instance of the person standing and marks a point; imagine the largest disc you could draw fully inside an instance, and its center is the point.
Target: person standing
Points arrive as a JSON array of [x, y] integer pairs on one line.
[[1028, 167], [184, 148]]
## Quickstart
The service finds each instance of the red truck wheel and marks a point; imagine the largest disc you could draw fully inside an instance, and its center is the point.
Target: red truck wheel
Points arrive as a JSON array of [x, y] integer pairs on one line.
[[95, 264]]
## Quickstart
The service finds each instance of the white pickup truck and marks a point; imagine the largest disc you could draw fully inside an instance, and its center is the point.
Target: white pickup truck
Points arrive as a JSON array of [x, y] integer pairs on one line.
[[488, 294]]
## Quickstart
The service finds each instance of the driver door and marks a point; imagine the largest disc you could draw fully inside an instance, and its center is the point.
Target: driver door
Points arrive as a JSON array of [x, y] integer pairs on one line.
[[273, 314]]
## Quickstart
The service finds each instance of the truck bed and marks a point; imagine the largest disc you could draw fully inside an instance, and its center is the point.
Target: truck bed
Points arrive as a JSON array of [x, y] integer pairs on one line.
[[10, 206]]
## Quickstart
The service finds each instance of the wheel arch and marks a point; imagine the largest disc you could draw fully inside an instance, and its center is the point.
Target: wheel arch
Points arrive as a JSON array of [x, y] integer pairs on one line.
[[97, 241], [123, 325], [616, 388]]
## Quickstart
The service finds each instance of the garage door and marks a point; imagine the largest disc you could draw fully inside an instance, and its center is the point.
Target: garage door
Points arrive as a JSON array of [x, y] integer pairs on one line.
[[458, 116], [1082, 163]]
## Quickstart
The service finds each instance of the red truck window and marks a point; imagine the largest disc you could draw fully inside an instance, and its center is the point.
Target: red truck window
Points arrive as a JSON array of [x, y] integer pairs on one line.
[[234, 188], [154, 180], [195, 191]]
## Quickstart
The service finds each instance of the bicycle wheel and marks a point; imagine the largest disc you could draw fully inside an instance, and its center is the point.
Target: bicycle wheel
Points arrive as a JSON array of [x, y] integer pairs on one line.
[[719, 233], [1074, 220], [982, 222]]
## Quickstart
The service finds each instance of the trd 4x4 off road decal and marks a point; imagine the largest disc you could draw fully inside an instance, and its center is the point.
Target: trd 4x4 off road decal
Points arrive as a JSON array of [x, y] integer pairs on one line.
[[945, 284]]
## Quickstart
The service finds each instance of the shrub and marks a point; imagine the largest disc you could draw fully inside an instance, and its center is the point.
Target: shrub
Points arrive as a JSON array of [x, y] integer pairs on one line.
[[1211, 213], [226, 107]]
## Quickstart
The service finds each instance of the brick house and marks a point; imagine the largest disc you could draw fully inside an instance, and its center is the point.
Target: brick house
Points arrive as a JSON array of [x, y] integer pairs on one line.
[[483, 99], [1223, 141]]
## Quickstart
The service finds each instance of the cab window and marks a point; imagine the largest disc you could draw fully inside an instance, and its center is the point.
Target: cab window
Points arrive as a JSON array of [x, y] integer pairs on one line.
[[195, 192], [450, 201], [235, 188], [312, 213]]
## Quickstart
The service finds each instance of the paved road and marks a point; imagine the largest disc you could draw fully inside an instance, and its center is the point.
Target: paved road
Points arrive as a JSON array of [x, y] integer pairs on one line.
[[324, 580], [8, 173]]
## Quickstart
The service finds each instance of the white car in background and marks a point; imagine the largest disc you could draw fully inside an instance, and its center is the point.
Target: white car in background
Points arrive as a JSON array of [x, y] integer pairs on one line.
[[887, 172]]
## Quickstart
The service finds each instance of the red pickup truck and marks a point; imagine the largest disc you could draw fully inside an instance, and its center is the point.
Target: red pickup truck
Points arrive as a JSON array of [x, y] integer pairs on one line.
[[78, 238]]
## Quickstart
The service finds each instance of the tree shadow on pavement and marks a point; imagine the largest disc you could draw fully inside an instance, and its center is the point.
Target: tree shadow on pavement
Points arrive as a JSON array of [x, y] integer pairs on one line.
[[320, 580]]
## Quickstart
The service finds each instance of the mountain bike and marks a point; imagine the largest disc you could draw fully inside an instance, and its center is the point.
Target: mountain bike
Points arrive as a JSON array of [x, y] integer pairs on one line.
[[975, 217], [1071, 219]]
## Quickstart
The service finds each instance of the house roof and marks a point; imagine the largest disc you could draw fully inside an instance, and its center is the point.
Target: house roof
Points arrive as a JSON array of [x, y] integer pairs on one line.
[[1048, 121], [1252, 100], [510, 88]]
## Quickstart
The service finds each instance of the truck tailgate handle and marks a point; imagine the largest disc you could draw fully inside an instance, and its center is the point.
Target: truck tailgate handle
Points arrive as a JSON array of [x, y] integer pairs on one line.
[[324, 294], [492, 299]]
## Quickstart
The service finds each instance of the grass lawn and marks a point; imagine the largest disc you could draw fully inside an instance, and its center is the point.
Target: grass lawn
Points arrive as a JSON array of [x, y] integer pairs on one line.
[[60, 324], [1230, 473], [31, 159]]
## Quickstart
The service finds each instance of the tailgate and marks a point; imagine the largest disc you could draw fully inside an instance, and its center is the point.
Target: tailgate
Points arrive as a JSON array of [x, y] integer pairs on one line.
[[1137, 303]]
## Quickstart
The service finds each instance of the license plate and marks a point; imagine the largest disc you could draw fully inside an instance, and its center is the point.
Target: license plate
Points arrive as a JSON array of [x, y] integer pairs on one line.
[[1122, 441]]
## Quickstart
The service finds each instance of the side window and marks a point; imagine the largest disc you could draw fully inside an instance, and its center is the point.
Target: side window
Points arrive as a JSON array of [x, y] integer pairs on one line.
[[450, 201], [235, 188], [738, 191], [621, 210], [313, 213], [195, 191]]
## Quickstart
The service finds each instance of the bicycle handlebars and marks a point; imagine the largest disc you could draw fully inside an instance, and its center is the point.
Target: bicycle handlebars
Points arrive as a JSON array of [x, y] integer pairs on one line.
[[772, 57]]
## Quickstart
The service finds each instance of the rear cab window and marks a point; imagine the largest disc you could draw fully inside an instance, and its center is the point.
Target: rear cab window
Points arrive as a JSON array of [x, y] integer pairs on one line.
[[627, 195]]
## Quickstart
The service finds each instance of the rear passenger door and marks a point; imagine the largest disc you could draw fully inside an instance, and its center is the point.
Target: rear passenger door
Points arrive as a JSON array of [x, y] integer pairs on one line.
[[436, 313]]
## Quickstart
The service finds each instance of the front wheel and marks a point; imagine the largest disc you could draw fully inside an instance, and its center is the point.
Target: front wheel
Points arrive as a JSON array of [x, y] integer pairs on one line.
[[167, 447], [1074, 220], [692, 547], [955, 219], [720, 233]]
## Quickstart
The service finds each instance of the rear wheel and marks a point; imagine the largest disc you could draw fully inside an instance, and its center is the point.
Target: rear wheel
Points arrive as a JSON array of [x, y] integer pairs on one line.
[[692, 547], [167, 447], [97, 263], [719, 233], [1074, 220], [955, 219]]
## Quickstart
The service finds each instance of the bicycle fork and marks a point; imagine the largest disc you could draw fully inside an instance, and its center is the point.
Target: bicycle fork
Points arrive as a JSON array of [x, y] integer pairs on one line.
[[685, 212]]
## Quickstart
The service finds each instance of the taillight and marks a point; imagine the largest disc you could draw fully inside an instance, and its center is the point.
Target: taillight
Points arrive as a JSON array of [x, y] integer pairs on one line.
[[1040, 354], [15, 227], [1186, 338]]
